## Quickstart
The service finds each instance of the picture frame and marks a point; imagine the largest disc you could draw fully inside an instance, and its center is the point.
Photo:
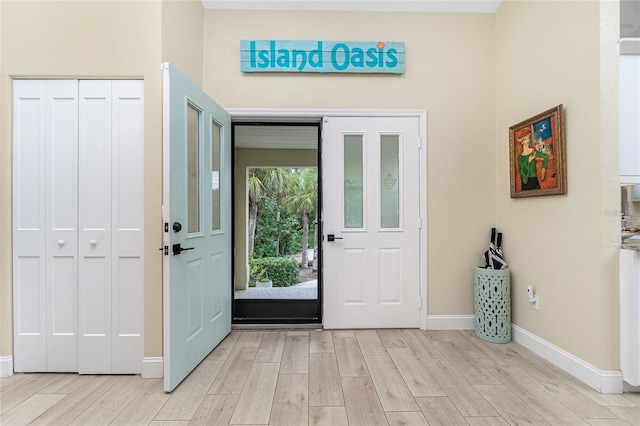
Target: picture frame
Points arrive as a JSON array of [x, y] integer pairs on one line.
[[537, 155]]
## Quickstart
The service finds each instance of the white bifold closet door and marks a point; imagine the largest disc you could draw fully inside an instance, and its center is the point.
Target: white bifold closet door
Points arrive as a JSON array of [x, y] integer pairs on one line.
[[78, 226]]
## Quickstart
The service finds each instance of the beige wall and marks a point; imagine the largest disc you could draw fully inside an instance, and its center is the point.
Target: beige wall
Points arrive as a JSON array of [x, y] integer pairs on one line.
[[85, 40], [245, 158], [450, 73], [182, 27], [550, 53]]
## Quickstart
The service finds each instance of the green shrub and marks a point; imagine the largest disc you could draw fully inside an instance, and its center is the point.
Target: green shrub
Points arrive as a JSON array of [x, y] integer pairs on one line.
[[283, 235], [282, 271]]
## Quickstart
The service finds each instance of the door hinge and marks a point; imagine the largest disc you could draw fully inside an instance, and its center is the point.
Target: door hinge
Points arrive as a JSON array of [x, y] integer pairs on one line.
[[419, 302], [166, 227], [419, 143], [419, 223]]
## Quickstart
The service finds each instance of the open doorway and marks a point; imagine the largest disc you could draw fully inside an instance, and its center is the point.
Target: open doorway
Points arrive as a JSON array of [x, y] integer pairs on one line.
[[282, 233], [277, 255], [282, 245]]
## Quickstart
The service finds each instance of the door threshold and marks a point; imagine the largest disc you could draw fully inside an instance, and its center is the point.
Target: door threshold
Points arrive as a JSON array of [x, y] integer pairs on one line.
[[274, 326]]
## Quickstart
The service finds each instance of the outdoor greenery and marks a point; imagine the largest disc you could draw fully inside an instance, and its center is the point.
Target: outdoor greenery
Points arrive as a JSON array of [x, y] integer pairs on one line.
[[276, 237], [282, 271], [302, 199], [282, 209]]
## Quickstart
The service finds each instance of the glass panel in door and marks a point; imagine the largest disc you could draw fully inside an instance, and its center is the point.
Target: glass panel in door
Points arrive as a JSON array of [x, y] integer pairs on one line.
[[215, 176], [389, 181], [193, 163], [353, 182]]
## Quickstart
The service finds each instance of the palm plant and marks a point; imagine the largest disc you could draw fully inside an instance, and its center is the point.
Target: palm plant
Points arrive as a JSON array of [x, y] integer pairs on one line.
[[276, 181], [302, 199], [262, 183], [256, 191]]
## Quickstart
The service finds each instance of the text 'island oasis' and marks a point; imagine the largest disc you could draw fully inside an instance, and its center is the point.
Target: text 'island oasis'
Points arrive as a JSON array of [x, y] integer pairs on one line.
[[322, 57]]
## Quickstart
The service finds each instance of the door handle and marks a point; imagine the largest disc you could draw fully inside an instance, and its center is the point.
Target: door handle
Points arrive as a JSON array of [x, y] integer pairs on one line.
[[332, 237], [177, 249]]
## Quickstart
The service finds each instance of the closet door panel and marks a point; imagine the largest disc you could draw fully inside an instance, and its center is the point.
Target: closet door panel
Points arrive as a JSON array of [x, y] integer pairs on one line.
[[62, 225], [127, 222], [29, 230], [94, 242]]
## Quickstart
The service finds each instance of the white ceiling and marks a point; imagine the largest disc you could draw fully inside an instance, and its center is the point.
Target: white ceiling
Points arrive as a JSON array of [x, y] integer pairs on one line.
[[469, 6]]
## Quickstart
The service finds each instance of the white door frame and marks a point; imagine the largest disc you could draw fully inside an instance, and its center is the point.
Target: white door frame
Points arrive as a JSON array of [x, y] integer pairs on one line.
[[297, 114]]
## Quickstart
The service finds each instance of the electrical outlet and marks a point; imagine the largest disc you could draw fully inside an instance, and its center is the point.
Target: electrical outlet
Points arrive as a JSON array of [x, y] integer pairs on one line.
[[532, 298]]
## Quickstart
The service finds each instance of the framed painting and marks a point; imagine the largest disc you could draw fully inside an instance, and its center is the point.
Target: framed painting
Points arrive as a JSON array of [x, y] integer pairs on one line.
[[537, 155]]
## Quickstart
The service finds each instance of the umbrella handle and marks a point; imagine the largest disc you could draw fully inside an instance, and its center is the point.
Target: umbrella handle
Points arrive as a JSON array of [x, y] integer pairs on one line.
[[499, 243], [493, 235]]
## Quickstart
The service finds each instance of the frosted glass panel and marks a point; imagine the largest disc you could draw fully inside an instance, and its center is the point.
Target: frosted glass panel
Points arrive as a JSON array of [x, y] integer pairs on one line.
[[215, 176], [193, 162], [353, 194], [389, 181]]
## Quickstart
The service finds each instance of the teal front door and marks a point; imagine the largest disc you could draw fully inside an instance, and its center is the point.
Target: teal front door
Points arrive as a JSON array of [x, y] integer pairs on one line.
[[197, 225]]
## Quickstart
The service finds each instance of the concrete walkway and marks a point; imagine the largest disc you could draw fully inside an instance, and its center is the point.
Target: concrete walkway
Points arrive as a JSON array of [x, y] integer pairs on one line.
[[306, 290]]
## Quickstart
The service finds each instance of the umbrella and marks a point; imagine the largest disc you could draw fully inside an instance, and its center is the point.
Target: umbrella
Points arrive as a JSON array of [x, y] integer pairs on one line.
[[488, 255], [498, 261], [493, 256]]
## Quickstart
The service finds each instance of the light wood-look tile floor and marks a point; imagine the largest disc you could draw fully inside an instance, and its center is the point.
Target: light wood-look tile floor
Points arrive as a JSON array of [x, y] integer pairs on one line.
[[355, 377]]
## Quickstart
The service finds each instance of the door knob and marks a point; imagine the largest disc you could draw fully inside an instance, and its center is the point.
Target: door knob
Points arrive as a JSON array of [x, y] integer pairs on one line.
[[60, 242], [332, 237], [177, 249], [177, 227], [93, 243]]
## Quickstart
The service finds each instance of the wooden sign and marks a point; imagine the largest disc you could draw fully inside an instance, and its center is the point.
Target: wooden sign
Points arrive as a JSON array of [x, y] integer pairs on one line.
[[368, 57]]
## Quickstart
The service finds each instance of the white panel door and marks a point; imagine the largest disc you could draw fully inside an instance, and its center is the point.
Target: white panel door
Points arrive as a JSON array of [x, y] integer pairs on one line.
[[62, 225], [78, 226], [371, 222], [94, 193], [45, 225], [197, 215], [111, 214], [29, 229], [127, 232]]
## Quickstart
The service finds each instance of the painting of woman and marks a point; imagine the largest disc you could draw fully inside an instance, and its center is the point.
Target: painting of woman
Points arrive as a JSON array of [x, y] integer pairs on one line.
[[528, 163], [537, 155]]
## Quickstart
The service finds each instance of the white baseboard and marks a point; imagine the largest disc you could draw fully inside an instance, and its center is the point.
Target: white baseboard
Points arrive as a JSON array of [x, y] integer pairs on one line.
[[451, 322], [600, 380], [152, 367], [6, 366]]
